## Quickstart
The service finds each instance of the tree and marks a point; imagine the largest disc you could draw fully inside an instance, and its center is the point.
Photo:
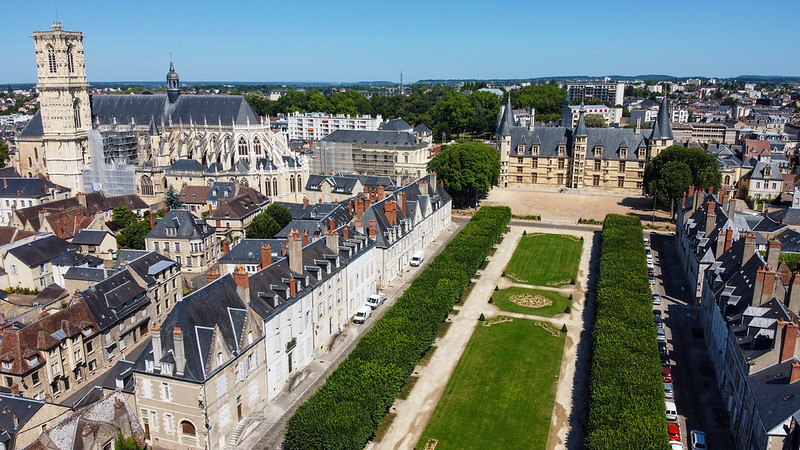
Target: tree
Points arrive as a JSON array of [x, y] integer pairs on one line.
[[703, 167], [280, 214], [3, 154], [467, 168], [674, 180], [730, 101], [129, 443], [455, 110], [123, 216], [133, 235], [172, 199], [595, 121], [263, 226], [546, 99]]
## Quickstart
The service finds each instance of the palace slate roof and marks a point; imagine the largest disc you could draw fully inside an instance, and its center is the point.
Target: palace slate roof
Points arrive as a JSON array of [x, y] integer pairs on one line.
[[375, 139]]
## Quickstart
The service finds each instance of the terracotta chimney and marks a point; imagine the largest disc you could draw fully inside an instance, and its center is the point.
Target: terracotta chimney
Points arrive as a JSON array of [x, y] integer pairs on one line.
[[266, 255], [305, 202], [390, 208], [372, 228], [226, 246], [794, 293], [789, 340], [764, 286], [728, 239], [166, 210], [15, 391], [242, 283], [305, 238], [320, 200], [795, 372], [350, 206], [773, 253], [345, 232], [683, 202], [16, 420], [359, 208], [380, 195], [711, 217], [5, 183], [367, 202], [296, 253], [152, 219], [292, 286], [155, 336], [211, 275], [402, 197], [179, 351]]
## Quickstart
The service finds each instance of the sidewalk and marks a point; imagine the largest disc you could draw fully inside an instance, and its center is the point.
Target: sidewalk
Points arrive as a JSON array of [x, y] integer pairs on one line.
[[268, 434]]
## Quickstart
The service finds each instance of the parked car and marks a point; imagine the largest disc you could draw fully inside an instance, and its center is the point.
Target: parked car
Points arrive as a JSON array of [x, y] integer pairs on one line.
[[362, 314], [666, 374], [672, 412], [698, 440], [659, 322], [652, 278], [662, 335], [675, 445], [417, 258], [664, 360], [662, 348], [674, 430], [656, 299], [657, 313], [668, 392], [375, 300]]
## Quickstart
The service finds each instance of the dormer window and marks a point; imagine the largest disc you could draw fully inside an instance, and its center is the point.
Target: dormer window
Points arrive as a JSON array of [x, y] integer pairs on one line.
[[767, 171], [623, 152], [32, 361], [149, 365], [641, 153], [598, 151], [166, 368], [521, 149], [535, 150], [219, 359], [562, 150], [6, 365]]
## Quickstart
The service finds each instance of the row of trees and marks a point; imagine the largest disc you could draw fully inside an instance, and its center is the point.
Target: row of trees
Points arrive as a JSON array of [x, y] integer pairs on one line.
[[445, 110], [344, 413], [626, 393]]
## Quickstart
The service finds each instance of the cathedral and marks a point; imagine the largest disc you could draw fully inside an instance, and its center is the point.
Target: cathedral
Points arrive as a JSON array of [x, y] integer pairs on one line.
[[608, 159], [146, 142]]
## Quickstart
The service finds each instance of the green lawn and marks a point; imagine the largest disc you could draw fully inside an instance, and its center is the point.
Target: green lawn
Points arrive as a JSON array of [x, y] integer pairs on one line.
[[502, 391], [502, 301], [545, 260]]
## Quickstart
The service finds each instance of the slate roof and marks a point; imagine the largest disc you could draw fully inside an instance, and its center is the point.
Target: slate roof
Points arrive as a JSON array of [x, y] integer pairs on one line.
[[373, 181], [73, 258], [34, 127], [147, 264], [375, 139], [187, 165], [776, 399], [221, 190], [184, 224], [507, 122], [789, 216], [661, 126], [248, 202], [24, 408], [580, 129], [51, 294], [395, 125], [550, 138], [91, 274], [90, 237], [40, 251], [248, 251], [339, 184], [115, 299], [421, 128], [28, 188]]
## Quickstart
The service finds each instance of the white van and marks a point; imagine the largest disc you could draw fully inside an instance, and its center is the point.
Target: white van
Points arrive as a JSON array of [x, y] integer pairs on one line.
[[375, 300], [362, 314], [416, 258], [672, 412]]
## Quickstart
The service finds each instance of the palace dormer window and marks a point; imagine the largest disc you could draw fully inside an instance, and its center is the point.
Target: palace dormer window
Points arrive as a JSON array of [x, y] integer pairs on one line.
[[521, 149], [598, 152], [623, 152], [562, 150], [767, 171], [535, 150], [641, 153]]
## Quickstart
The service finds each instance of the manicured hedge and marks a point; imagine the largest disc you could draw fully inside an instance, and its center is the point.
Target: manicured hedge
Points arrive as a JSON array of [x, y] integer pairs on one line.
[[344, 413], [626, 392]]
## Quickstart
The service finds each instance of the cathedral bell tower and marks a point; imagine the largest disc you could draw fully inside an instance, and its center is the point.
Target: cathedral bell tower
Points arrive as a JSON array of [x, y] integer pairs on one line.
[[173, 83], [64, 104]]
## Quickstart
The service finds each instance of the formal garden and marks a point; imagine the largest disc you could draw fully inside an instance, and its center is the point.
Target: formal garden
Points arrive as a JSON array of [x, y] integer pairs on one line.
[[536, 302], [545, 260]]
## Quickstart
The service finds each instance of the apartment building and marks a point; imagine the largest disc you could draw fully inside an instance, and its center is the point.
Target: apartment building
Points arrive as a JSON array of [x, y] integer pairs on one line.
[[314, 126], [571, 114], [28, 263], [186, 239], [27, 192], [232, 217], [608, 93]]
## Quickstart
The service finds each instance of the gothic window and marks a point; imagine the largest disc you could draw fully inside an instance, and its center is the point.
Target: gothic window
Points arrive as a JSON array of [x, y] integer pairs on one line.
[[242, 147], [727, 179], [291, 183], [275, 187], [560, 163], [535, 163], [76, 113], [36, 153], [51, 58], [267, 188], [147, 186], [70, 62], [256, 146], [299, 185], [622, 166], [597, 164], [30, 162]]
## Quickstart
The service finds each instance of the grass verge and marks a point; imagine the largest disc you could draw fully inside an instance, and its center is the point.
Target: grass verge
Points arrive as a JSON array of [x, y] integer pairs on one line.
[[545, 260], [502, 299]]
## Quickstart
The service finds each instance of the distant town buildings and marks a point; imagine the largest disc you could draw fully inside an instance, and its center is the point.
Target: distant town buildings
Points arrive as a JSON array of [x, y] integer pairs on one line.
[[314, 126], [608, 93]]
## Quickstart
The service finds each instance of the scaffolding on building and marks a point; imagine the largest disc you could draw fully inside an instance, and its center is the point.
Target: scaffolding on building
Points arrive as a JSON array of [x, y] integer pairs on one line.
[[331, 157], [112, 167]]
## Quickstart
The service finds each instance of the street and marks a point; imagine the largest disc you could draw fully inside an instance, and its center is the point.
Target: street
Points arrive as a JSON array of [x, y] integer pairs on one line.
[[697, 397]]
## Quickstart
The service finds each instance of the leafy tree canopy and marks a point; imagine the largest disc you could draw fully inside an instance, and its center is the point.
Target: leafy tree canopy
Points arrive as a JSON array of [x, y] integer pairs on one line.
[[133, 235], [129, 443], [3, 154], [172, 199], [263, 226], [595, 121], [467, 168], [544, 98], [667, 182], [123, 216], [280, 213]]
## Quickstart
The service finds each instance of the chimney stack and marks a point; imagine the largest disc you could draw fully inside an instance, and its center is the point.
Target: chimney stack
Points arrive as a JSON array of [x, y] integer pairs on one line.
[[242, 283], [180, 352], [305, 202], [367, 202], [728, 239], [305, 238], [292, 286], [764, 288], [266, 255], [794, 293], [433, 179], [155, 336], [345, 232], [332, 242], [211, 275], [380, 195], [402, 197], [359, 208], [15, 391], [296, 252], [789, 339], [795, 372], [773, 253], [16, 420], [749, 247], [390, 209], [711, 217], [152, 219], [372, 228], [226, 246]]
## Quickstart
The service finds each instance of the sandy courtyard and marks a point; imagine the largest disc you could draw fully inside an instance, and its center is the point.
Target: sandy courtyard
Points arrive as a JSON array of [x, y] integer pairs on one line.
[[571, 206]]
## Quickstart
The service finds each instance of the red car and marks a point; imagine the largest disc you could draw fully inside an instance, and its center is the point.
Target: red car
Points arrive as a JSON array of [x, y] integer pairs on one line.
[[666, 373], [674, 431]]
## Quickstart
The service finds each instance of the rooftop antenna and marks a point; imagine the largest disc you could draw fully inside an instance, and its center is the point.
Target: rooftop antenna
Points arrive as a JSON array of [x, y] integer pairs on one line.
[[401, 82]]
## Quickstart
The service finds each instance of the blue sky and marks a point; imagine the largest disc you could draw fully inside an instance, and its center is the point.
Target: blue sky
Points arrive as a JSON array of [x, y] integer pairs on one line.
[[341, 40]]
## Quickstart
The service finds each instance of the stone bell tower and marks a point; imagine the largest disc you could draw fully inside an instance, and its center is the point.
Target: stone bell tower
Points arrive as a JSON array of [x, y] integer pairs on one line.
[[64, 104]]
